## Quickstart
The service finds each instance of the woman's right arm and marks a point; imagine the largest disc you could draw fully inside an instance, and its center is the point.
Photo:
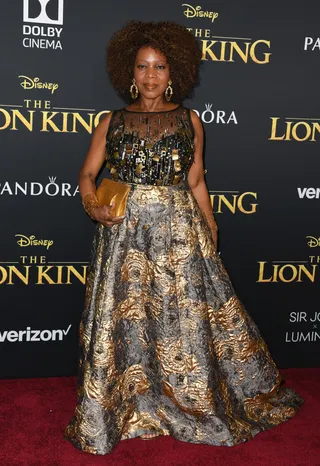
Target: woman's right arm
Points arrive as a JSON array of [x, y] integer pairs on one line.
[[95, 158], [88, 174]]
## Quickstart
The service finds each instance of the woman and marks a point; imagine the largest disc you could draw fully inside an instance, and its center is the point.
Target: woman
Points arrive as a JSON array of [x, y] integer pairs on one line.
[[166, 346]]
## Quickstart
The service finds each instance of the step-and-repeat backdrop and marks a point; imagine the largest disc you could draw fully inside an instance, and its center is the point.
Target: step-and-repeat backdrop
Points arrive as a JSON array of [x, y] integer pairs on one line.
[[259, 104]]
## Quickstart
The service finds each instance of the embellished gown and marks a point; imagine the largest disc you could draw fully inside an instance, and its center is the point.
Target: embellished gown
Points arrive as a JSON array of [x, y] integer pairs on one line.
[[166, 347]]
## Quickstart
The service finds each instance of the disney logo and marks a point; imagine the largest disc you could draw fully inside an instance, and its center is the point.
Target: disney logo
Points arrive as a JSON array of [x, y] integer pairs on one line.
[[197, 12], [26, 241], [314, 242], [35, 83]]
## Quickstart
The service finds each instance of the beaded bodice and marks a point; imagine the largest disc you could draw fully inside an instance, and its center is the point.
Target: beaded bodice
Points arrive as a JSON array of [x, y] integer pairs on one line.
[[154, 148]]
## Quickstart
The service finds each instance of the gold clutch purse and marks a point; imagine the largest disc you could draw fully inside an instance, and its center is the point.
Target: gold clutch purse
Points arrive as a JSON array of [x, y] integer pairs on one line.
[[112, 191]]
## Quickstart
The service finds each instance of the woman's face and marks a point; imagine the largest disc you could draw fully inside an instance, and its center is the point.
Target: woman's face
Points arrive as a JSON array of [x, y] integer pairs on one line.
[[151, 72]]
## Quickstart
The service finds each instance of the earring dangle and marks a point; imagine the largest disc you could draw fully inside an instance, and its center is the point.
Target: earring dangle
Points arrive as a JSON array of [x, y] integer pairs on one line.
[[134, 91], [169, 91]]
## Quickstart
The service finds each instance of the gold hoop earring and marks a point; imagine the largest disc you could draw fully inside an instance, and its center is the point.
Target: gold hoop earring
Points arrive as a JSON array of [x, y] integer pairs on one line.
[[169, 91], [134, 91]]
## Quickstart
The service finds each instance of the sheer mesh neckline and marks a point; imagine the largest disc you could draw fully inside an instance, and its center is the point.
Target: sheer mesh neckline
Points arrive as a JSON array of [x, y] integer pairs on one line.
[[161, 111], [155, 148]]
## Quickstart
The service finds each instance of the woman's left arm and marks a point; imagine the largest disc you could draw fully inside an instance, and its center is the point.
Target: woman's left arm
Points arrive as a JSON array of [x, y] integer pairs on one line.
[[196, 179]]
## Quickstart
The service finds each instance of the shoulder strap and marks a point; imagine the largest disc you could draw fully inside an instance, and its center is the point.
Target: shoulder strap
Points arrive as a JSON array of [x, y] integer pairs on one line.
[[113, 115], [188, 110]]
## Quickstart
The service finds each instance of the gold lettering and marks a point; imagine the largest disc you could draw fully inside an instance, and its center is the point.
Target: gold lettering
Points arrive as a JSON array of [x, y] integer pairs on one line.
[[261, 278], [8, 277], [4, 275], [37, 104], [287, 273], [61, 279], [87, 126], [47, 121], [65, 121], [223, 200], [27, 102], [81, 278], [223, 51], [46, 275], [98, 116], [59, 275], [43, 274], [29, 83], [206, 49], [237, 202], [315, 127], [294, 131], [289, 124], [27, 123], [253, 206], [293, 276], [273, 136], [309, 130], [308, 273], [253, 54], [314, 259], [243, 55], [246, 51], [7, 118], [192, 12]]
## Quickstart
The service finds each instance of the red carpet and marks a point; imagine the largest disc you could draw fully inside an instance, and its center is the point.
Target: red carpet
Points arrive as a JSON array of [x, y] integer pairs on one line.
[[33, 413]]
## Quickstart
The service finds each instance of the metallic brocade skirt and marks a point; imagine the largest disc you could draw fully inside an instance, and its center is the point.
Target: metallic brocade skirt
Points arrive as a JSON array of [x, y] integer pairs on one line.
[[166, 347]]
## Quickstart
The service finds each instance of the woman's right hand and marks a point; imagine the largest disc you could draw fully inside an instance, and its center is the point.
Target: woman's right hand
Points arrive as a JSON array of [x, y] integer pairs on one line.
[[105, 216]]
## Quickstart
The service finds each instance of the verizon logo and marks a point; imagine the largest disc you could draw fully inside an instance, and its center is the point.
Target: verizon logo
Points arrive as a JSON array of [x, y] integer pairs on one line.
[[12, 336], [309, 193]]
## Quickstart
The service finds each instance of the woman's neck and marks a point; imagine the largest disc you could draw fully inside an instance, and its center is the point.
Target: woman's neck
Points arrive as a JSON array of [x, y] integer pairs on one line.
[[151, 105]]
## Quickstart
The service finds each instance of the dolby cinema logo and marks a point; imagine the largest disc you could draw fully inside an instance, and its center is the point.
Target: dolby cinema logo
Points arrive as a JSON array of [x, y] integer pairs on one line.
[[43, 21]]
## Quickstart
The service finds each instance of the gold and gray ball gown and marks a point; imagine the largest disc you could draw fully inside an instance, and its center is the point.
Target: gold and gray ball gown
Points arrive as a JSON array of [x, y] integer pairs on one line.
[[166, 347]]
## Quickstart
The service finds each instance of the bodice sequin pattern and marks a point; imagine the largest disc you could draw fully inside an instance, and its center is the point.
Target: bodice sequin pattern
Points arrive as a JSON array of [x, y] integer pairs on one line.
[[155, 148]]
